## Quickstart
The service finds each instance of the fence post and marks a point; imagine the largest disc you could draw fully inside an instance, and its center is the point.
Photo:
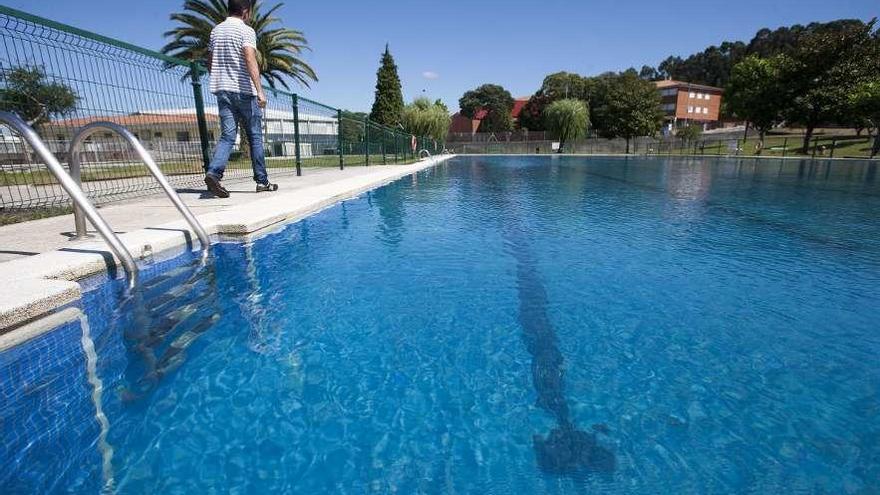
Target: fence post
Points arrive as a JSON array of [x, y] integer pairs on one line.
[[784, 147], [833, 145], [339, 139], [196, 74], [384, 139], [815, 145], [296, 137], [367, 141]]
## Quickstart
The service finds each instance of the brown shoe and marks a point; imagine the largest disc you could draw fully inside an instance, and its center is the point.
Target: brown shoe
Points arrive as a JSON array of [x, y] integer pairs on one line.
[[215, 187]]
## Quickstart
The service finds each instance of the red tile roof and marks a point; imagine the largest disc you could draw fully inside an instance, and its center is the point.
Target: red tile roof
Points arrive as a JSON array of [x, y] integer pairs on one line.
[[518, 105], [136, 119]]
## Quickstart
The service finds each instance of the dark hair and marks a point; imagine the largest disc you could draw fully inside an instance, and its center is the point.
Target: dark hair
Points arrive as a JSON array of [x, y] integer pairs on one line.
[[237, 7]]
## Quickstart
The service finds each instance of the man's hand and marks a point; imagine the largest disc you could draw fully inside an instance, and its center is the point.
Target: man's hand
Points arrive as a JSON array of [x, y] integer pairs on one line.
[[261, 99]]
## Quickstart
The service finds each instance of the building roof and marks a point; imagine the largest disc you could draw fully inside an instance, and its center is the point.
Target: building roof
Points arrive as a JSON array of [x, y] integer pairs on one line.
[[518, 105], [669, 83], [134, 120]]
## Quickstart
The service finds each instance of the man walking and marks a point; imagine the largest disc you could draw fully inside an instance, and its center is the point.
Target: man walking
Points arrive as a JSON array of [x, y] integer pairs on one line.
[[235, 80]]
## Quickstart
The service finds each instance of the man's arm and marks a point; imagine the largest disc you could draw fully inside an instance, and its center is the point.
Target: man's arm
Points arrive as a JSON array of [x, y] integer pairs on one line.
[[250, 58]]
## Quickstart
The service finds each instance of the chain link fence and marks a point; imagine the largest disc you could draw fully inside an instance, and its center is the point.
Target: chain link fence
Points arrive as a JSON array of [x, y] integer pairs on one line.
[[59, 78]]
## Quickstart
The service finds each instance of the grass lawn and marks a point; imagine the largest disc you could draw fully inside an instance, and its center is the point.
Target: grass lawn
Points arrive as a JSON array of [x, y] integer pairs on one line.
[[10, 216], [843, 147]]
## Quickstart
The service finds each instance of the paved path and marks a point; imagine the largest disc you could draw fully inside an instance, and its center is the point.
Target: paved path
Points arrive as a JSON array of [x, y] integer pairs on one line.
[[49, 234]]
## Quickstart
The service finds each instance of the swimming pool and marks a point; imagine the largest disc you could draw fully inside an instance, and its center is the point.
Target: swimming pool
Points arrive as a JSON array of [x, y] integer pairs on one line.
[[492, 325]]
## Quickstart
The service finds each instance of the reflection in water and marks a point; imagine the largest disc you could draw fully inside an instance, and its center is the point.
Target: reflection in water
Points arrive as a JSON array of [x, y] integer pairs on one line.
[[265, 335], [170, 313], [390, 201]]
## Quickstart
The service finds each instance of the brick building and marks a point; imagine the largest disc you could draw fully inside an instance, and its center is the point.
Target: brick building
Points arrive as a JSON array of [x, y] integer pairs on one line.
[[685, 103]]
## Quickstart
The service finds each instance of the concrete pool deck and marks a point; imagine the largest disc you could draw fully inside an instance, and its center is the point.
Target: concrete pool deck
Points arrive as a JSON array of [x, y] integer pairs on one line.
[[39, 264]]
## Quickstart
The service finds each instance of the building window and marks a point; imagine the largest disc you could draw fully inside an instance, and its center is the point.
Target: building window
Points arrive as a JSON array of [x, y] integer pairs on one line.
[[157, 135], [692, 95], [690, 109], [183, 137], [705, 111], [707, 96]]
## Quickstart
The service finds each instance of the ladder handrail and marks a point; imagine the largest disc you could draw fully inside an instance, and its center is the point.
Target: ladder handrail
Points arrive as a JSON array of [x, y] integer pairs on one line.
[[79, 198], [426, 152], [76, 165]]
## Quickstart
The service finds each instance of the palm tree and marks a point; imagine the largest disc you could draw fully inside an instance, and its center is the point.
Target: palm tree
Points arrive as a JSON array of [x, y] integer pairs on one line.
[[278, 48]]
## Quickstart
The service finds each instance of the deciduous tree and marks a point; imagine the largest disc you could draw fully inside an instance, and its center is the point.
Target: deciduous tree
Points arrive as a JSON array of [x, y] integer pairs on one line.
[[826, 65], [567, 119], [627, 107], [423, 118], [865, 103], [28, 93], [757, 92], [496, 101]]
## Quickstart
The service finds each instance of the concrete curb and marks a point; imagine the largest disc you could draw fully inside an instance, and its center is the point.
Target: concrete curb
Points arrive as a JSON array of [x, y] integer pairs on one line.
[[40, 284]]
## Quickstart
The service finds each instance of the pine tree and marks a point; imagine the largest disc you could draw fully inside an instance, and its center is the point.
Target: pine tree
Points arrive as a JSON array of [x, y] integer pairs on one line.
[[388, 106]]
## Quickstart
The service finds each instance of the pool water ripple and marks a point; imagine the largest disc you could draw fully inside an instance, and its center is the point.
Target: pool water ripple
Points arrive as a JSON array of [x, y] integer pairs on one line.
[[492, 325]]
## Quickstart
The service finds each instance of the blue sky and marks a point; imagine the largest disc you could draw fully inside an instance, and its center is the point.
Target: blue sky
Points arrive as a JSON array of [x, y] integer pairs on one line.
[[445, 48]]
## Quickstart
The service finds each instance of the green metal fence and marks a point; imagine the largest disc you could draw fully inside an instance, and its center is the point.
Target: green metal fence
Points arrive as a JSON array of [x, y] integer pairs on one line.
[[60, 78], [782, 146]]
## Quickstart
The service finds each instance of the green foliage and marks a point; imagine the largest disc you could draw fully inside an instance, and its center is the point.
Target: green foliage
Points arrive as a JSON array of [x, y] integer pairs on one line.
[[496, 101], [568, 119], [626, 106], [279, 49], [690, 133], [352, 126], [865, 101], [714, 65], [27, 93], [388, 105], [757, 91], [555, 87], [649, 73], [531, 117], [423, 118], [865, 104], [825, 66]]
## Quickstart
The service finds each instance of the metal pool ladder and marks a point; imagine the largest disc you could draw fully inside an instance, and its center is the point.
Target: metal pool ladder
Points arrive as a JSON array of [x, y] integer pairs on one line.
[[426, 153], [75, 192], [76, 166]]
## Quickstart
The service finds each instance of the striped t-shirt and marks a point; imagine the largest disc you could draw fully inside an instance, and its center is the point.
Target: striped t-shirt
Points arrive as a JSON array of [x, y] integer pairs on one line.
[[228, 68]]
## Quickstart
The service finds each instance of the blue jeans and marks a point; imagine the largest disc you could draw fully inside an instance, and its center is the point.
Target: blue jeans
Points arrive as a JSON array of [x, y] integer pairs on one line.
[[239, 109]]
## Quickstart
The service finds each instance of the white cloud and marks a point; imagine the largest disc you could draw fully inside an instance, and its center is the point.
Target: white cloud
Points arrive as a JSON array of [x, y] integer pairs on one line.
[[430, 75]]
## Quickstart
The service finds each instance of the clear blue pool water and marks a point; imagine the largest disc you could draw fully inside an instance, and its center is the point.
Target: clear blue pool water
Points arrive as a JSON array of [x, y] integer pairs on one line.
[[494, 325]]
